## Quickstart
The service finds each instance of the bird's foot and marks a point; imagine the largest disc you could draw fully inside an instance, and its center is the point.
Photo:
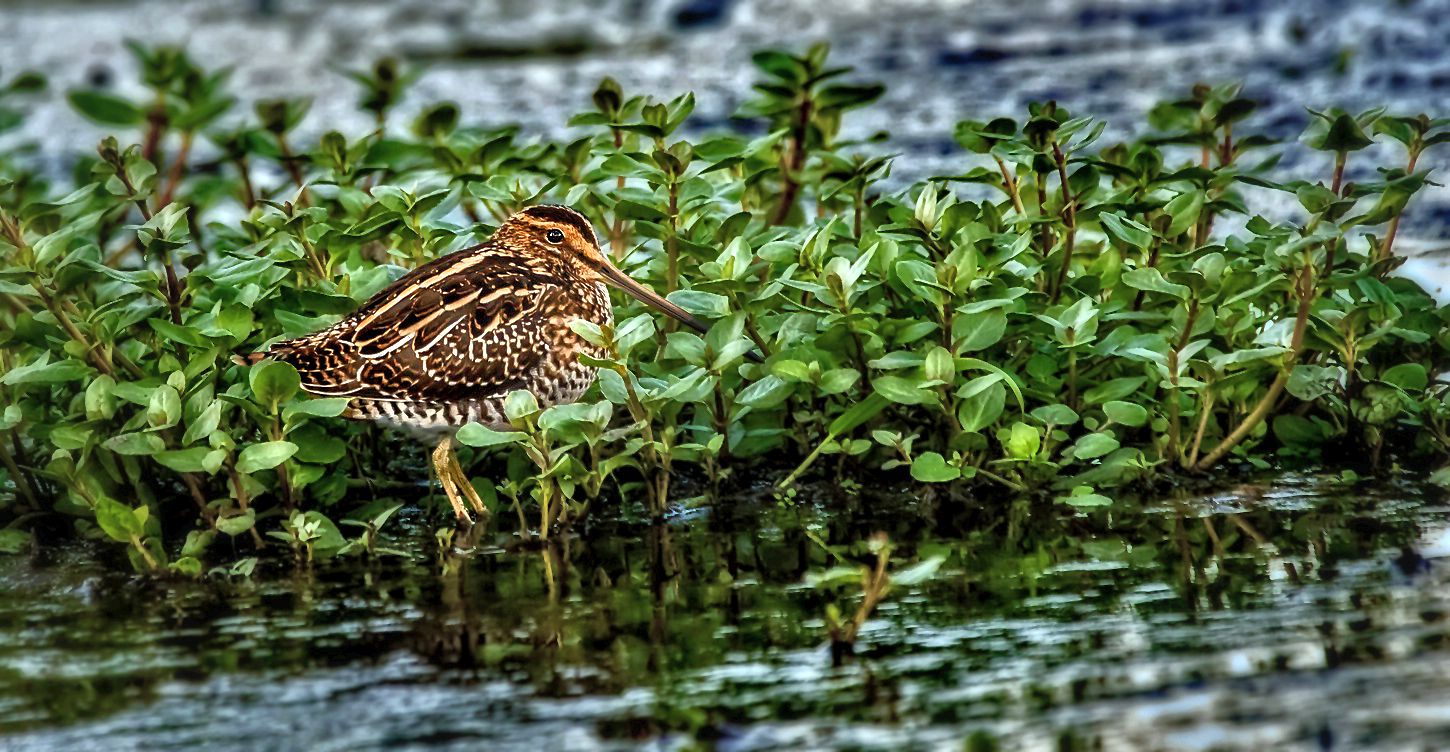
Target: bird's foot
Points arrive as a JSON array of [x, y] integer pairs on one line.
[[461, 480], [443, 465]]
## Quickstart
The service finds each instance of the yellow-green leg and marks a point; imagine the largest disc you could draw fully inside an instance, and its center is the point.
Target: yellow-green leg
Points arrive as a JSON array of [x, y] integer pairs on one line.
[[443, 465], [461, 479]]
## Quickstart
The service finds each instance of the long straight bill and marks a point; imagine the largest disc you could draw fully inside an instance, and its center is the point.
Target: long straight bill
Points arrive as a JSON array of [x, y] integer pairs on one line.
[[650, 297]]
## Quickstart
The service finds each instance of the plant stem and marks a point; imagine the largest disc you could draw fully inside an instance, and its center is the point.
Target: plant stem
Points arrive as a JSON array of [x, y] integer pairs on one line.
[[141, 548], [1046, 231], [249, 195], [173, 283], [1203, 412], [1261, 410], [657, 465], [672, 249], [993, 476], [806, 463], [755, 337], [1072, 378], [722, 421], [1387, 250], [1069, 218], [178, 170], [1152, 261], [22, 480], [93, 351], [1174, 429], [860, 210], [1009, 182], [156, 122], [794, 161], [240, 493], [1329, 258], [616, 228]]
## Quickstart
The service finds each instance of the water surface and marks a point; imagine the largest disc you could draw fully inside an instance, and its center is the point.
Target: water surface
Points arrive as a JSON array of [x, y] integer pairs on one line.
[[1299, 612]]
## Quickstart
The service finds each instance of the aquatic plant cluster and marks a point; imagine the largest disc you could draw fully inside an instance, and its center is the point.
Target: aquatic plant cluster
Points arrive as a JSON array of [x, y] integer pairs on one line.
[[1062, 318]]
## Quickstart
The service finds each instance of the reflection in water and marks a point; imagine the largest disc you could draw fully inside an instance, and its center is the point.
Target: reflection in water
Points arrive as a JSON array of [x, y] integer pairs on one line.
[[1299, 613]]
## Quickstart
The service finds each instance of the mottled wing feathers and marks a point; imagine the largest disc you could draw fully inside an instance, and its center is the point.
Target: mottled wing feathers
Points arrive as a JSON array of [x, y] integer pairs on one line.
[[466, 326]]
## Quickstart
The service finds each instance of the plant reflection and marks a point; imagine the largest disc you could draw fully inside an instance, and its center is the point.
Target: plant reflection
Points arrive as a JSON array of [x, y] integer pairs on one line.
[[1024, 609]]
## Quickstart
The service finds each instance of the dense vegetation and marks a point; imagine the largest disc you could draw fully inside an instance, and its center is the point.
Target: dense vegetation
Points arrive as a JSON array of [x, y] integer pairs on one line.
[[1060, 318]]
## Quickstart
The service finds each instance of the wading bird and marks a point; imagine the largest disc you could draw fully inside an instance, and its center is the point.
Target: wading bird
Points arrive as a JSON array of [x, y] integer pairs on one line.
[[445, 344]]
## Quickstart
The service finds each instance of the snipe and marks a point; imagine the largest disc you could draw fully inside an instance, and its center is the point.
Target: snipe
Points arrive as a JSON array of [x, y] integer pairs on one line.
[[445, 344]]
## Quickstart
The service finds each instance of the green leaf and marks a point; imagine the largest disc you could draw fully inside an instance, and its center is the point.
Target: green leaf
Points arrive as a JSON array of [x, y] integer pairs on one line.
[[1006, 378], [766, 393], [703, 304], [1441, 477], [103, 108], [206, 422], [329, 538], [790, 370], [189, 566], [135, 444], [1094, 445], [978, 331], [1022, 441], [1113, 390], [931, 467], [193, 460], [274, 382], [1298, 431], [857, 414], [520, 404], [1126, 230], [1411, 377], [476, 435], [13, 540], [1336, 131], [1057, 415], [1126, 413], [838, 380], [164, 409], [904, 391], [238, 523], [982, 409], [1086, 500], [317, 407], [316, 447], [265, 456], [46, 372], [1309, 383], [1151, 280], [118, 521], [919, 572], [1184, 209], [1250, 355]]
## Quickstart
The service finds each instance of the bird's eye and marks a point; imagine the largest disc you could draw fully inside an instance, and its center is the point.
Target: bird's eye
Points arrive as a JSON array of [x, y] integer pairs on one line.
[[554, 236]]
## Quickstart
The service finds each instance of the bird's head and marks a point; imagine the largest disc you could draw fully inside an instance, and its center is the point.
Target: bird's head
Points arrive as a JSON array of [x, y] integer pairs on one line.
[[565, 234]]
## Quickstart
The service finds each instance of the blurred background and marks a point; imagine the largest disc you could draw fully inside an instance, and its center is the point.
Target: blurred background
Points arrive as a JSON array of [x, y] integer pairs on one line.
[[535, 62]]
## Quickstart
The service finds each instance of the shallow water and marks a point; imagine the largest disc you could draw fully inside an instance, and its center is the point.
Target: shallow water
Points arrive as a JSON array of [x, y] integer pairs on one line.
[[1295, 613]]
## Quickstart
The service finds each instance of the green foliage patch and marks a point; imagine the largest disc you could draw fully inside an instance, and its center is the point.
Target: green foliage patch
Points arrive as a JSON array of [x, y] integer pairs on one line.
[[1060, 317]]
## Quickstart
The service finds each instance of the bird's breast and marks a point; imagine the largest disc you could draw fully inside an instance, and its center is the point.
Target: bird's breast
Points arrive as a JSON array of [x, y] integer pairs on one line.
[[563, 378]]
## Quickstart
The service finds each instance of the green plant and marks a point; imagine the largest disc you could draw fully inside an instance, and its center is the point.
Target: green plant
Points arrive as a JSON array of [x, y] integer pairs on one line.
[[1078, 318]]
